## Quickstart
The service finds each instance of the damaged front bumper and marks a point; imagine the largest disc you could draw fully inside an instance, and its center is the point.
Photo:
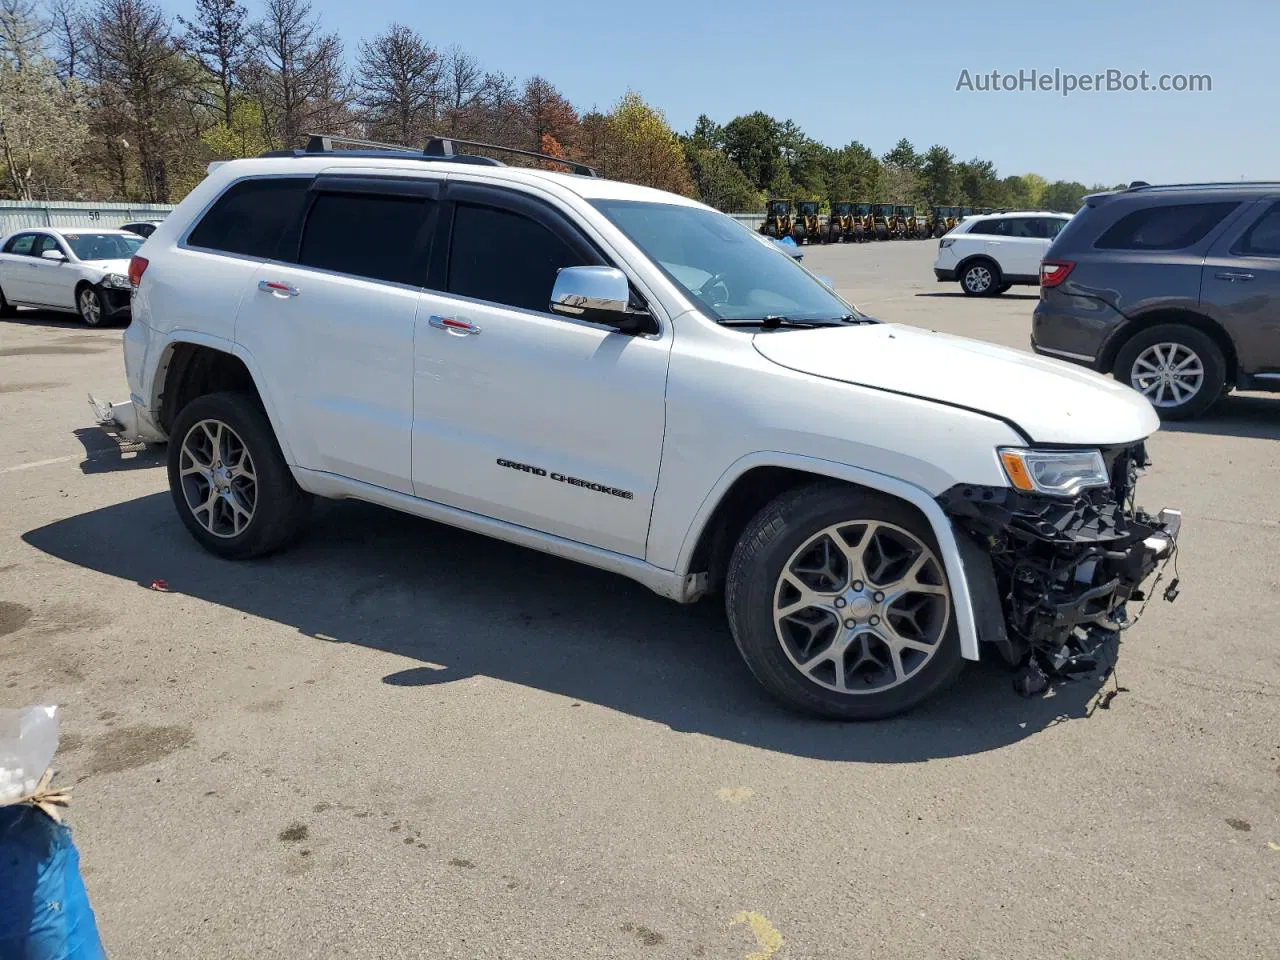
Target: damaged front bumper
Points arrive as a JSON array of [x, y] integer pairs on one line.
[[129, 421], [1052, 578]]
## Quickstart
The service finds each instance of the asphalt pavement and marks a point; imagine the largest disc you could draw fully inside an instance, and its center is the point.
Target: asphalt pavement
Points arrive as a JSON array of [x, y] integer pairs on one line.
[[401, 740]]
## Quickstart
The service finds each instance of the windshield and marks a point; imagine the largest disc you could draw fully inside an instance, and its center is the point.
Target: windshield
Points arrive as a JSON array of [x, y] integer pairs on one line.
[[102, 246], [722, 265]]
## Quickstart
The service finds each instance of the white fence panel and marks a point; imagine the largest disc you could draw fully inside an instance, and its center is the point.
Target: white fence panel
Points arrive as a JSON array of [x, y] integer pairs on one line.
[[23, 214]]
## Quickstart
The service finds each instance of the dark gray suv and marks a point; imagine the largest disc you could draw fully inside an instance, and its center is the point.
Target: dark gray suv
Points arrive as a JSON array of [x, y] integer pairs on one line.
[[1173, 289]]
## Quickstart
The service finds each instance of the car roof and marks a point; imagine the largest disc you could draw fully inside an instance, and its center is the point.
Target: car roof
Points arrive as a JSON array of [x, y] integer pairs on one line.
[[1225, 190], [589, 188], [995, 215], [63, 231]]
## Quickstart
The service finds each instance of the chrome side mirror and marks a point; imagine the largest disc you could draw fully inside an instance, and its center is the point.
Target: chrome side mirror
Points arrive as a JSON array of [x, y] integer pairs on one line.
[[596, 294], [57, 255]]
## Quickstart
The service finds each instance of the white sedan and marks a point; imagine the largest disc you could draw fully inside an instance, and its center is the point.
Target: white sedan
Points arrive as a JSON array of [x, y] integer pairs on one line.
[[85, 272]]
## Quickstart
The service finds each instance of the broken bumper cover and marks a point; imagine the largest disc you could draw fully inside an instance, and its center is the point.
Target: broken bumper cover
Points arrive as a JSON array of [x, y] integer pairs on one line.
[[129, 421], [1051, 578]]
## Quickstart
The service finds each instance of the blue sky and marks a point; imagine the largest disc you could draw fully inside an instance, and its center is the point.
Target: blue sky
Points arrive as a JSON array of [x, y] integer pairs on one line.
[[874, 72]]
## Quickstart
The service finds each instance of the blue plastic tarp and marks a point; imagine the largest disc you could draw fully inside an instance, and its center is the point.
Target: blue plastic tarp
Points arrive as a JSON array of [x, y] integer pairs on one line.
[[44, 907]]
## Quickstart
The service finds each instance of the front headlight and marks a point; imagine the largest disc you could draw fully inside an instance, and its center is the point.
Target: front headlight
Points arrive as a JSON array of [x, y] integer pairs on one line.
[[117, 281], [1059, 473]]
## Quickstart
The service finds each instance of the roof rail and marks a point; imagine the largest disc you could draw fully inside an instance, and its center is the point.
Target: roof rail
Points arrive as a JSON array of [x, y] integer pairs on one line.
[[437, 148], [443, 147], [1220, 184], [323, 143]]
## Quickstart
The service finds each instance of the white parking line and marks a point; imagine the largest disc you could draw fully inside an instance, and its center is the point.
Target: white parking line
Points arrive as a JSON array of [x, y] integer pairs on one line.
[[39, 463]]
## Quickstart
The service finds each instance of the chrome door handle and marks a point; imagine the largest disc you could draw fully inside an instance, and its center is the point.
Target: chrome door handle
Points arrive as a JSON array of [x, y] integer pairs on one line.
[[277, 289], [1228, 275], [452, 325]]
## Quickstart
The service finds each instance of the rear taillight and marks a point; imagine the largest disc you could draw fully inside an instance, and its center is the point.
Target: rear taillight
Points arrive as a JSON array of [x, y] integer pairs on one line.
[[1053, 272], [137, 267]]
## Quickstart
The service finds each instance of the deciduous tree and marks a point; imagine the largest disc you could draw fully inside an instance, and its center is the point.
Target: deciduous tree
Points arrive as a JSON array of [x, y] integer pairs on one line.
[[295, 71], [545, 111], [644, 149], [42, 128], [139, 75]]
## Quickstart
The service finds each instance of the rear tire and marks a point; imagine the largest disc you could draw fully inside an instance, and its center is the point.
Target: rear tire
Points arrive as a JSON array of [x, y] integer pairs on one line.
[[6, 308], [1178, 368], [885, 655], [229, 481]]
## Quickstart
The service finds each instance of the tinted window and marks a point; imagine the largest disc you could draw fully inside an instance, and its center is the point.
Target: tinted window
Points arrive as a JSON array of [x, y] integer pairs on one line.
[[367, 235], [1263, 238], [20, 244], [250, 218], [1164, 228], [505, 258], [1051, 226], [1026, 227], [990, 228]]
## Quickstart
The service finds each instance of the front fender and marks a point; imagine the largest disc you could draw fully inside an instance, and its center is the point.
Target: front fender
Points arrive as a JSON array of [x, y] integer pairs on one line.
[[958, 574]]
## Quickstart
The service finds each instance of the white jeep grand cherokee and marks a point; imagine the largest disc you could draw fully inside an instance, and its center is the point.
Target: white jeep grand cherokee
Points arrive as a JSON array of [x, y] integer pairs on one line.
[[629, 379]]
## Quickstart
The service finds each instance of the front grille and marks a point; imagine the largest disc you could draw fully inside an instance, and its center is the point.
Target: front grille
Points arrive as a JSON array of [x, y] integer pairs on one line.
[[1124, 462]]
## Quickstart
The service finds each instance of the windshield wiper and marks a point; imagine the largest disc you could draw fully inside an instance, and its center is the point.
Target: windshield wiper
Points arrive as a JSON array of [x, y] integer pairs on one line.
[[773, 321]]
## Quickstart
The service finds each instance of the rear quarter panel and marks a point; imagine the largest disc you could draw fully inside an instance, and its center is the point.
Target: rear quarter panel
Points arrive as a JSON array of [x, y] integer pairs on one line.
[[1131, 283]]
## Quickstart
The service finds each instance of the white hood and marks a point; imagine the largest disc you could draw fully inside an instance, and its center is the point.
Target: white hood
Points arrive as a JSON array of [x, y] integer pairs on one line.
[[108, 266], [1051, 401]]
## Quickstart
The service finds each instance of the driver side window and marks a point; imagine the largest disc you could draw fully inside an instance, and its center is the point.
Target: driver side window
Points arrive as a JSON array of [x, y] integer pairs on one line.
[[43, 242], [505, 257]]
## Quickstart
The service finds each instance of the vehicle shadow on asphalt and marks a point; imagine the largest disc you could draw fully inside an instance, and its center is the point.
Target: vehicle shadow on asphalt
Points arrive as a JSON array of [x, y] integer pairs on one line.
[[1004, 296], [468, 605], [48, 318], [102, 454], [1253, 416]]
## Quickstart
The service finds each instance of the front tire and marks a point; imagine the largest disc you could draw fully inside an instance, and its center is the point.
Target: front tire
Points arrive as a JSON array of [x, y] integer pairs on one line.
[[90, 306], [1179, 369], [980, 278], [838, 600], [229, 481]]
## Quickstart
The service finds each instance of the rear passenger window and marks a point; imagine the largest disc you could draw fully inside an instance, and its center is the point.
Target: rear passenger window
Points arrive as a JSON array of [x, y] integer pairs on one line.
[[21, 245], [1052, 226], [1029, 228], [1263, 238], [1164, 228], [990, 228], [367, 235], [250, 218], [505, 258]]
